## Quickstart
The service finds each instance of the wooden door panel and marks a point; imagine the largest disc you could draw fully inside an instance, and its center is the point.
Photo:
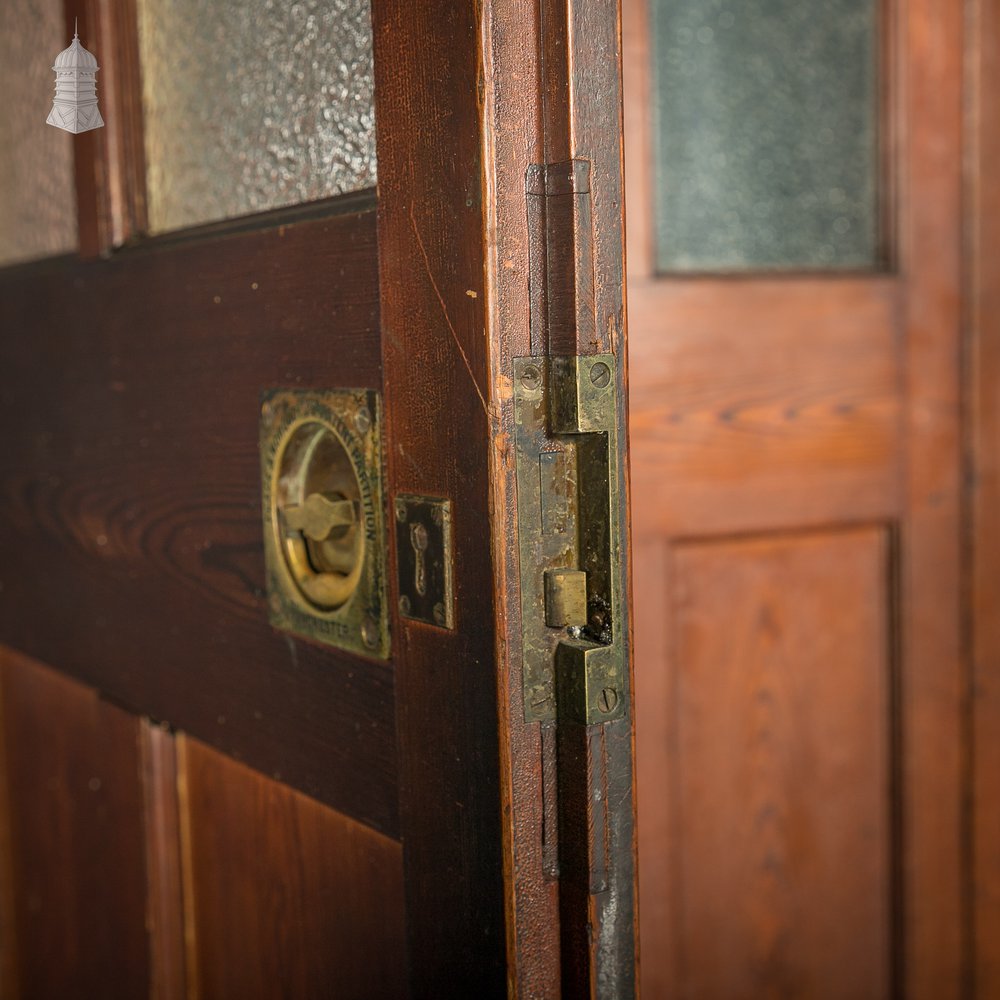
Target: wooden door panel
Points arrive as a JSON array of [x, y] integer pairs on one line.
[[130, 869], [285, 897], [797, 447], [74, 840], [780, 778], [783, 393], [130, 499]]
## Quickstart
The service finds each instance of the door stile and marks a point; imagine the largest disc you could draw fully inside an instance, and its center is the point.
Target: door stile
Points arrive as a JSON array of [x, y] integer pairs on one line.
[[460, 101], [982, 540], [437, 391], [932, 687]]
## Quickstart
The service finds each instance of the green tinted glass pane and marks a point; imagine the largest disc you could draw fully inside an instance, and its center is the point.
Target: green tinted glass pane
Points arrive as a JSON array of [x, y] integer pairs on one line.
[[252, 105], [37, 196], [765, 134]]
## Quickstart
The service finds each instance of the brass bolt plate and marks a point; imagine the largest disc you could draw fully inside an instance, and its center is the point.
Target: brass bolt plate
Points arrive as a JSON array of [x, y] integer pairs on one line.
[[423, 559], [324, 522], [569, 469]]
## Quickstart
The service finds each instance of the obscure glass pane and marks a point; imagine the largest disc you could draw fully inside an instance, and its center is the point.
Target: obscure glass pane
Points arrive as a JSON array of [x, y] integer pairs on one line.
[[37, 195], [254, 104], [765, 137]]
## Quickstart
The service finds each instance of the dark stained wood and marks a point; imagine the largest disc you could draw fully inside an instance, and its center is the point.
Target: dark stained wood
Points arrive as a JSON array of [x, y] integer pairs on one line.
[[74, 817], [287, 897], [165, 905], [984, 535], [512, 118], [780, 776], [435, 349], [778, 403], [456, 137], [130, 497]]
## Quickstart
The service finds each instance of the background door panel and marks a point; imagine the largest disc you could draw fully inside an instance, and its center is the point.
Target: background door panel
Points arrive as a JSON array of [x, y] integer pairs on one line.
[[797, 457]]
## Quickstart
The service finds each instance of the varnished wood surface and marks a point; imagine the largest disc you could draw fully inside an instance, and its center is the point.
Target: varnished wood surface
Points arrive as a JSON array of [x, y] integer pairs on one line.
[[984, 534], [164, 885], [130, 490], [435, 350], [769, 404], [783, 391], [934, 669], [781, 774], [75, 859], [288, 898]]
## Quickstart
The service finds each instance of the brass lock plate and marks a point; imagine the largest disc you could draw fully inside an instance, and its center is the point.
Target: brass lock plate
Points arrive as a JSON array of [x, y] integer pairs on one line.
[[324, 524], [423, 559]]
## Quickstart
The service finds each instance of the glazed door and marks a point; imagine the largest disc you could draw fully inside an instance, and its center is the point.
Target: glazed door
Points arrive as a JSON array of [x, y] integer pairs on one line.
[[264, 708], [795, 242]]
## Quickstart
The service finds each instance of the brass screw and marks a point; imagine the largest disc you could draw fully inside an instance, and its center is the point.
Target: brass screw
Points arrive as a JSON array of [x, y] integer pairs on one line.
[[404, 605], [531, 377], [600, 375], [401, 512], [369, 633], [607, 700], [439, 615], [363, 420]]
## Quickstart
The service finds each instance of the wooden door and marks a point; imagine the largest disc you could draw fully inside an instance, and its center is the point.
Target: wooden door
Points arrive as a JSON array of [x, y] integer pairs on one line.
[[797, 473], [198, 801]]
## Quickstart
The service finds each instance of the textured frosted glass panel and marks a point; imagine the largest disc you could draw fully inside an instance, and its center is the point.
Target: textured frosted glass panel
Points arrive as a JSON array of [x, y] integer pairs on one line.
[[766, 144], [37, 196], [254, 104]]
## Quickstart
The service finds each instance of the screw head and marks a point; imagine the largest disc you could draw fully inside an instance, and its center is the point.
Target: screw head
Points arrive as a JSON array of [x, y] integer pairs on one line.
[[418, 535], [531, 377], [363, 420], [600, 375], [439, 614], [607, 700], [369, 633], [404, 605], [401, 512], [437, 514]]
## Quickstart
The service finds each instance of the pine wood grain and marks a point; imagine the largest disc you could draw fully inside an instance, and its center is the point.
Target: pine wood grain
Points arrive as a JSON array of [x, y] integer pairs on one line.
[[287, 897], [130, 488], [75, 838]]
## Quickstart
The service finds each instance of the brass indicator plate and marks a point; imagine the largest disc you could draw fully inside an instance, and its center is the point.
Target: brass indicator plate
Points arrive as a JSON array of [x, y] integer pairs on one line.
[[424, 559], [569, 538], [324, 521]]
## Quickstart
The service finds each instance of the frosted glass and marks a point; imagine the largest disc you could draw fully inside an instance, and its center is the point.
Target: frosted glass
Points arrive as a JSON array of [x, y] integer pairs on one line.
[[254, 105], [37, 194], [766, 133]]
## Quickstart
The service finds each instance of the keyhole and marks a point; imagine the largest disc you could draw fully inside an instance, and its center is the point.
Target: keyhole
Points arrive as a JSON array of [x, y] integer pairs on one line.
[[418, 539]]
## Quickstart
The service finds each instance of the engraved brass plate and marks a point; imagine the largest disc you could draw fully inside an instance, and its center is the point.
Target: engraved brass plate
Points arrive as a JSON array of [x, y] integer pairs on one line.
[[423, 559], [324, 529]]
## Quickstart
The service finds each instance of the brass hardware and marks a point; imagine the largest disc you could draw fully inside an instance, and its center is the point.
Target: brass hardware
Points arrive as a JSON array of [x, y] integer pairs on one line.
[[324, 532], [569, 536], [424, 560], [565, 597]]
